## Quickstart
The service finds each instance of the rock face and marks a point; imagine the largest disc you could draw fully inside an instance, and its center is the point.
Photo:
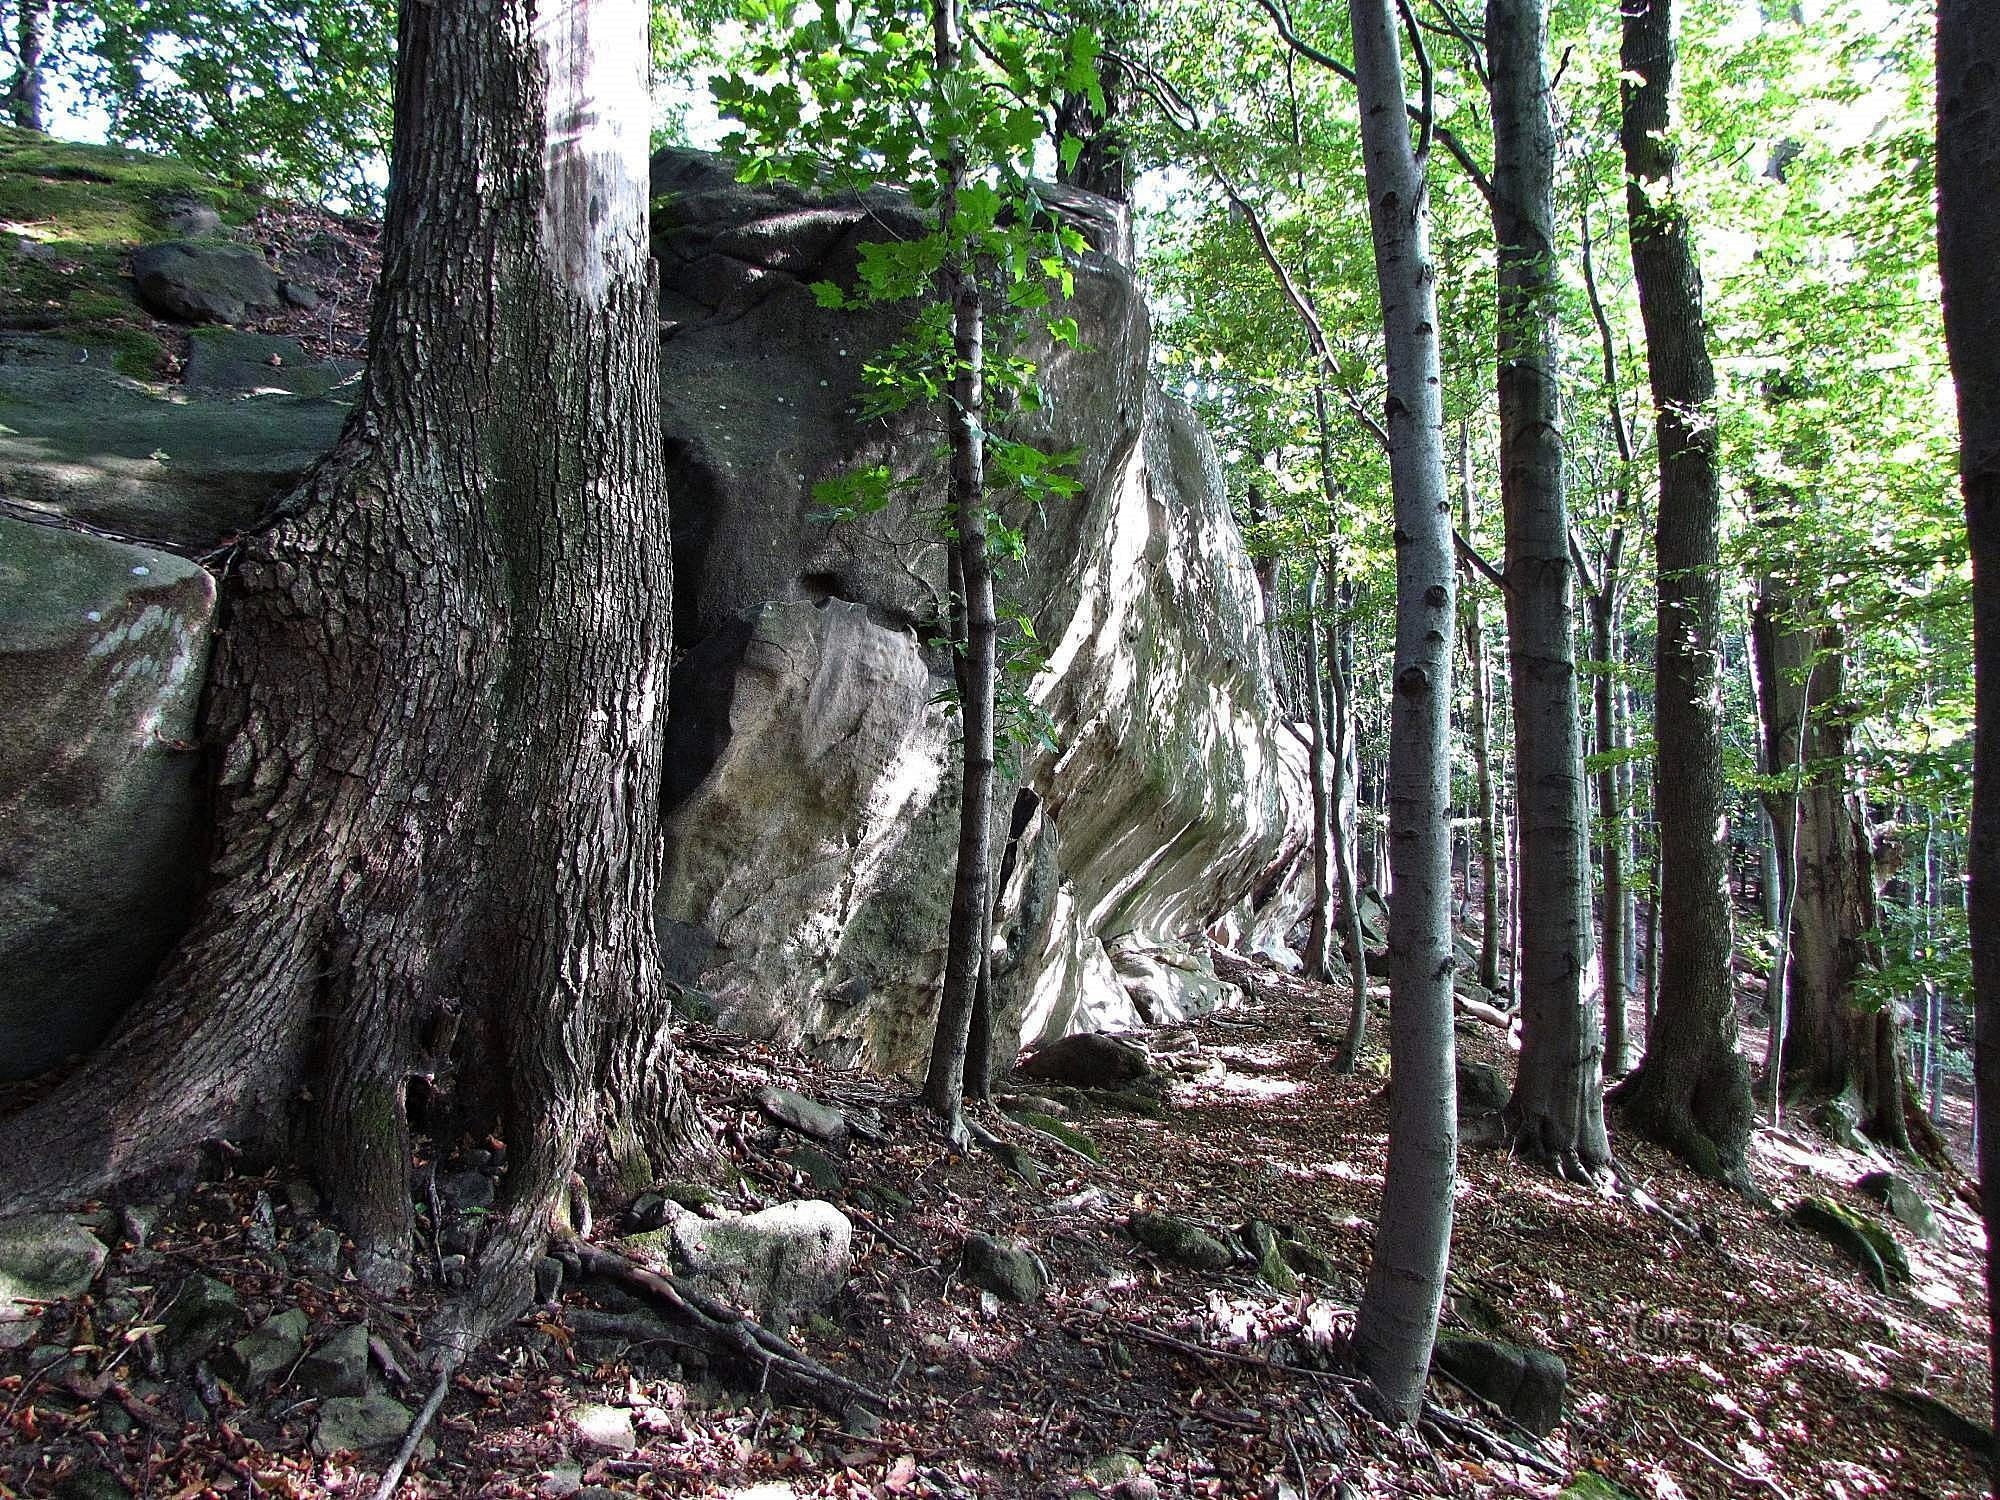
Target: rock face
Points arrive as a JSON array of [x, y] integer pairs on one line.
[[811, 812], [811, 792], [204, 281], [777, 1262], [102, 650]]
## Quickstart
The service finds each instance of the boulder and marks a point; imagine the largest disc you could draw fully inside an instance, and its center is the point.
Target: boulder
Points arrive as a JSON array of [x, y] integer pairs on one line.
[[266, 1352], [338, 1366], [1526, 1384], [1088, 1060], [82, 442], [44, 1258], [1482, 1087], [1005, 1268], [1168, 787], [779, 1263], [102, 651], [360, 1424], [1181, 1240], [1906, 1204], [203, 1313], [204, 281], [807, 1116]]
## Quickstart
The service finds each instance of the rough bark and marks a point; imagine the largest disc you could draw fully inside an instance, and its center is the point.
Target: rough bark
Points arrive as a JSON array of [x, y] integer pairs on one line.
[[1557, 1112], [971, 902], [1692, 1093], [1320, 919], [1968, 229], [1827, 875], [1482, 743], [33, 23], [438, 703], [1397, 1320]]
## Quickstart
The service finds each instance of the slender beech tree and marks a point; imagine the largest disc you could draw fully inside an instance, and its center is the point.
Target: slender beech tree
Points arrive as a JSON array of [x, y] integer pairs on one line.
[[33, 24], [1968, 166], [1692, 1092], [1488, 836], [437, 707], [1397, 1321], [975, 632], [1557, 1112]]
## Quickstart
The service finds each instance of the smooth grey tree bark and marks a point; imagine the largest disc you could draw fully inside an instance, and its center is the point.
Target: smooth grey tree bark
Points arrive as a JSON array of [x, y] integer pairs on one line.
[[1968, 46], [437, 708], [34, 21], [1692, 1093], [1556, 1115], [976, 634], [1486, 840], [1319, 921], [1397, 1320]]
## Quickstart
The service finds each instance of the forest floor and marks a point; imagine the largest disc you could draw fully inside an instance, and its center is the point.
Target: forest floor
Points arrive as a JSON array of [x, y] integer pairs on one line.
[[1748, 1356]]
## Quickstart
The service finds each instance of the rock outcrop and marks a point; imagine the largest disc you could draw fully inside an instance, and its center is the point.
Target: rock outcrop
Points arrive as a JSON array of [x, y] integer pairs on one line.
[[811, 795], [812, 823]]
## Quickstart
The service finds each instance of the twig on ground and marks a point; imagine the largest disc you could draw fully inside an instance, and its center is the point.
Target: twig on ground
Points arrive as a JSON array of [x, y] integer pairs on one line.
[[1743, 1476], [393, 1476]]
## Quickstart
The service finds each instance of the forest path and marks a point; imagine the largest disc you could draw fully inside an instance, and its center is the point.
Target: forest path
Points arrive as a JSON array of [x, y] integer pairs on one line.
[[1133, 1375]]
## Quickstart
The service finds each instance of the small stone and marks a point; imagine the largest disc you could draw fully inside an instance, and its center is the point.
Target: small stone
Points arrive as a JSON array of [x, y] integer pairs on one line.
[[606, 1427], [861, 1421], [301, 1196], [1266, 1244], [298, 294], [467, 1191], [807, 1116], [204, 1312], [266, 1352], [45, 1258], [92, 1483], [19, 1329], [561, 1480], [137, 1221], [54, 1361], [1006, 1270], [548, 1279], [338, 1367], [318, 1253], [262, 1230], [360, 1424], [454, 1269], [821, 1172], [1180, 1240], [1114, 1468]]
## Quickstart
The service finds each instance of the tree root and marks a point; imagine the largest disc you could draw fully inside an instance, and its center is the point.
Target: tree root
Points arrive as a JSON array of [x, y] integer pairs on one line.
[[725, 1331], [393, 1475]]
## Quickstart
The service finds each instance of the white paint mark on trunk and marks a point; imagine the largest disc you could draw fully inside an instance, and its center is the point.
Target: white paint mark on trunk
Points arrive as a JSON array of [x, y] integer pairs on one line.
[[599, 118]]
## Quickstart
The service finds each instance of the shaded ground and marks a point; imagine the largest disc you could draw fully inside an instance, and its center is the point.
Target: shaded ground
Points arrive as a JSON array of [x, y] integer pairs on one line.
[[1765, 1348]]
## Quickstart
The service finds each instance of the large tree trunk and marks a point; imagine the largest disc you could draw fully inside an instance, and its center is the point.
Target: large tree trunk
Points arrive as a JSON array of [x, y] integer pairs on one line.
[[438, 704], [1397, 1321], [33, 23], [1827, 876], [1557, 1112], [965, 953], [1482, 743], [1968, 229], [1692, 1093]]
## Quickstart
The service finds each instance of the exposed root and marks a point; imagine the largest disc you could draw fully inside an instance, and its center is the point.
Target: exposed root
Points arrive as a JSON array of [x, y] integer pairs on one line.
[[393, 1475], [726, 1332]]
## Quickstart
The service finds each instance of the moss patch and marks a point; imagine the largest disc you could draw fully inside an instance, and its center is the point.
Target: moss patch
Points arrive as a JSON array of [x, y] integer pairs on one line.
[[69, 217], [1069, 1135]]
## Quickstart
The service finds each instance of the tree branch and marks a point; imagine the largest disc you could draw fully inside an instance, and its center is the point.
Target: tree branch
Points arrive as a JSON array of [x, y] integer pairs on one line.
[[1341, 70], [1469, 555]]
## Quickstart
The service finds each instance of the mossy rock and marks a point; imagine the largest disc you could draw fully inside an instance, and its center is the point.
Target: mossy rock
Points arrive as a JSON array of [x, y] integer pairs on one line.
[[818, 1169], [1268, 1246], [1593, 1487], [1180, 1240], [693, 1196], [1867, 1243], [1068, 1134]]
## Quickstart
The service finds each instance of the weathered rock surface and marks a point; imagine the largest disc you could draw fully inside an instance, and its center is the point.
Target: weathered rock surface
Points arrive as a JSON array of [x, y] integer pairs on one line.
[[44, 1258], [1181, 1240], [338, 1367], [203, 1313], [231, 362], [1005, 1269], [102, 650], [1089, 1060], [807, 1116], [360, 1424], [1905, 1202], [1527, 1384], [204, 281], [811, 682], [810, 805], [779, 1262]]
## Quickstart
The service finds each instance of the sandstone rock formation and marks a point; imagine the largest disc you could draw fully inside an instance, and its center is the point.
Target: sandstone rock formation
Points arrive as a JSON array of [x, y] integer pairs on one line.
[[811, 794]]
